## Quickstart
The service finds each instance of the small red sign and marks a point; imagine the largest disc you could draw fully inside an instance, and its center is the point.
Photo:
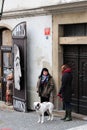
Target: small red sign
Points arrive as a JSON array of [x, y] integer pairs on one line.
[[47, 31]]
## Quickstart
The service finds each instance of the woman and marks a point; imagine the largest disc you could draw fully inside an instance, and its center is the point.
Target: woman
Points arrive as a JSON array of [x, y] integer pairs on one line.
[[45, 85], [66, 91]]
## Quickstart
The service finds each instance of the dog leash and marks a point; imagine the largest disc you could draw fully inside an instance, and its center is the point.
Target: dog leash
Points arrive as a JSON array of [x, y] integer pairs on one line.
[[58, 95]]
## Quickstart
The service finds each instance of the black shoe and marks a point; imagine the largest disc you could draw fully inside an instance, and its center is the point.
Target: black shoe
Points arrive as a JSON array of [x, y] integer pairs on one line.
[[68, 119], [66, 114], [63, 118]]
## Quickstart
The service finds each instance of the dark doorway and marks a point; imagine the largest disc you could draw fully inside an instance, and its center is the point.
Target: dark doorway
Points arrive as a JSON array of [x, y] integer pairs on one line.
[[76, 57], [6, 68]]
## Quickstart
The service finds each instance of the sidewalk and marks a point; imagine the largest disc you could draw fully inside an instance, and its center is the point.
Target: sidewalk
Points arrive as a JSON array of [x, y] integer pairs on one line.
[[82, 127], [60, 113], [3, 106], [14, 120], [74, 115]]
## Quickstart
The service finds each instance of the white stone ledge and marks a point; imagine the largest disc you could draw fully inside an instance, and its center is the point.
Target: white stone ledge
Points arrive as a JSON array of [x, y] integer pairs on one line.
[[46, 10]]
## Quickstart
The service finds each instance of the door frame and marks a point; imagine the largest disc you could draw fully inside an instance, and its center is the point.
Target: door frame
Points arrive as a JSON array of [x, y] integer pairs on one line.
[[57, 20]]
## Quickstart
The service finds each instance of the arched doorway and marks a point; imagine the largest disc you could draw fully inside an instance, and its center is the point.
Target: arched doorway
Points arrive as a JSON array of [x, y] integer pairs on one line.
[[10, 61], [6, 65]]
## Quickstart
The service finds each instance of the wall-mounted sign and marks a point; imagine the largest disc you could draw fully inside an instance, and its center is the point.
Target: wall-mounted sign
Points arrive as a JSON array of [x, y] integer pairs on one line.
[[6, 48], [19, 30], [47, 31]]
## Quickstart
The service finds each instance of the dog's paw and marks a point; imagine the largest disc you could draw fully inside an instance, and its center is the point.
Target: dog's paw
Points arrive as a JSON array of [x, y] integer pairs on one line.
[[51, 118], [48, 119], [38, 121], [42, 122]]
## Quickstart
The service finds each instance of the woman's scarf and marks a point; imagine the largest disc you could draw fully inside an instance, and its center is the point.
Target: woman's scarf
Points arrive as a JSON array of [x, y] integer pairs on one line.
[[44, 78], [68, 70]]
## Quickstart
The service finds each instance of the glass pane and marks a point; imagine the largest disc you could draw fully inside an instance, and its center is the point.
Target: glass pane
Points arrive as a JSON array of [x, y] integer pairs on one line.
[[7, 64]]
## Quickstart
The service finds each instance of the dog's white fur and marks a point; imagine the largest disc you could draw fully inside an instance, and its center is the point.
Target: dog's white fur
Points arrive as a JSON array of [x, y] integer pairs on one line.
[[41, 108]]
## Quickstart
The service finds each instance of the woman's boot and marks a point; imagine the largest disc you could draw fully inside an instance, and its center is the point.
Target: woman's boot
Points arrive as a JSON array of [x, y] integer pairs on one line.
[[66, 114], [69, 117]]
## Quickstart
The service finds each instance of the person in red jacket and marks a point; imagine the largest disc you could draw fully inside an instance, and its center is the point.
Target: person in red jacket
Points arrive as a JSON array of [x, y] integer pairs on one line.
[[66, 91]]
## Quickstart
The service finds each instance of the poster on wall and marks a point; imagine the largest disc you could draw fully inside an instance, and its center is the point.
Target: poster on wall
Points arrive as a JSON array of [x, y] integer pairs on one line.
[[17, 67]]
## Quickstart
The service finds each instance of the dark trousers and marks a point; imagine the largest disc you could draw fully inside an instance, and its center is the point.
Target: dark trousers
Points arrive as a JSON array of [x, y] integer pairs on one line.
[[44, 99], [67, 105]]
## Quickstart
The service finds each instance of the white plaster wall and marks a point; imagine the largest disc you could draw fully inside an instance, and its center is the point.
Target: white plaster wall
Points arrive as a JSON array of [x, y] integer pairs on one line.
[[10, 5], [39, 49], [39, 53]]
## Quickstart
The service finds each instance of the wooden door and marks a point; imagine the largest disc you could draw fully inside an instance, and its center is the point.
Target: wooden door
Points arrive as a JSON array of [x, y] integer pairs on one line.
[[19, 54], [76, 57], [83, 79]]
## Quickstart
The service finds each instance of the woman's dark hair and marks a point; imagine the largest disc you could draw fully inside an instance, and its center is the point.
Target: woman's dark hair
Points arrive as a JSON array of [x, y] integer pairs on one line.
[[65, 66], [44, 69]]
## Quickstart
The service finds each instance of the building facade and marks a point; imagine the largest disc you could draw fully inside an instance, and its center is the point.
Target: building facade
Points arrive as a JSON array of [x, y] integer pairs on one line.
[[55, 34]]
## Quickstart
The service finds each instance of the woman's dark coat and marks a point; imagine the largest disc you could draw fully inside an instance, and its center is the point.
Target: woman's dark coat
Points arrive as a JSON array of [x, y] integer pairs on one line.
[[66, 87], [48, 88]]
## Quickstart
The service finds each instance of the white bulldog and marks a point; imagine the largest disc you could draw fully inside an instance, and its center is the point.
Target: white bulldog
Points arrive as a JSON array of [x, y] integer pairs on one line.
[[41, 108]]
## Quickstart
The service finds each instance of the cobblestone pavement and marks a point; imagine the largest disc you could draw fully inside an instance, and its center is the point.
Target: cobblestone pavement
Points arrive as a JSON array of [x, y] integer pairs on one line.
[[13, 120], [82, 127]]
